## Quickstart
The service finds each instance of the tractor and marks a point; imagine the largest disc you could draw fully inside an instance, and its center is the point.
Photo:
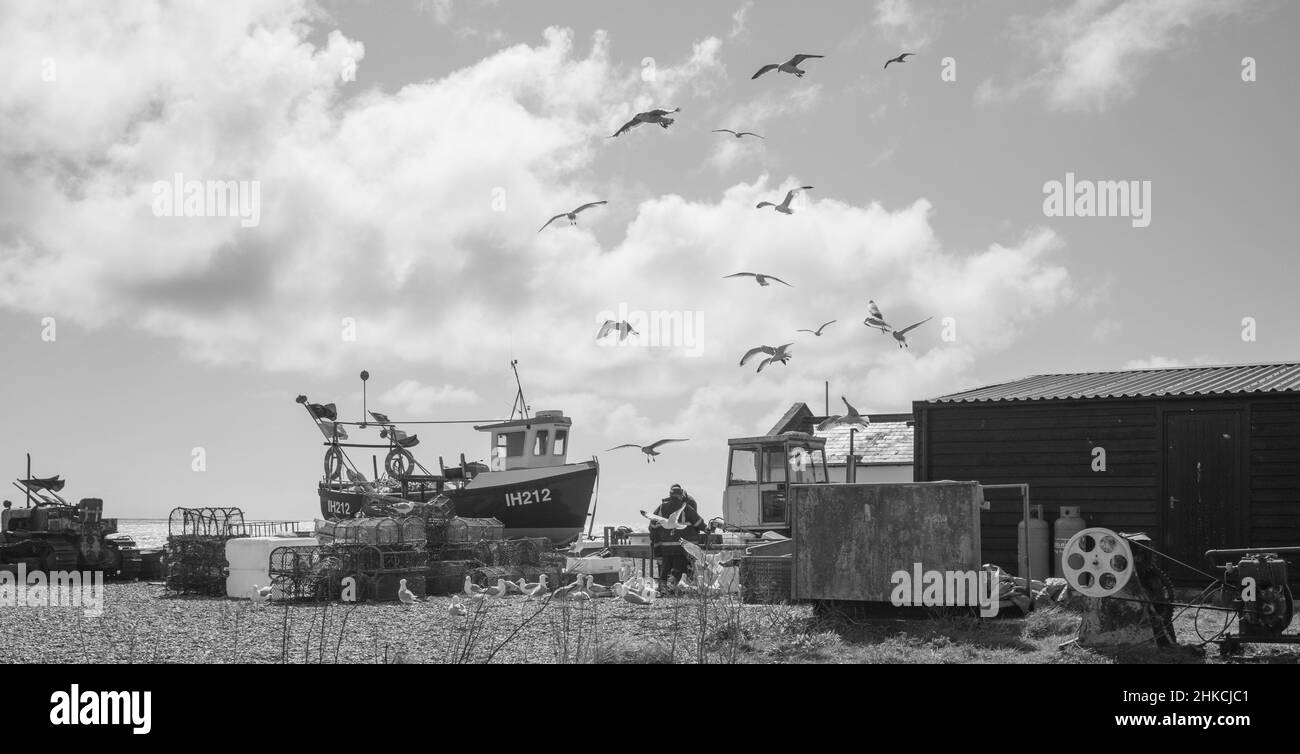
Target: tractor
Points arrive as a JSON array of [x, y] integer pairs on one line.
[[50, 534]]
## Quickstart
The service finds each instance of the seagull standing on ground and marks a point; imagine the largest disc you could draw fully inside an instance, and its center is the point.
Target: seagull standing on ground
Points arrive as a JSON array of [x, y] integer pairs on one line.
[[789, 66], [736, 134], [651, 116], [759, 277], [649, 450], [900, 59], [780, 353], [901, 335], [405, 595], [622, 328], [573, 216], [818, 331], [784, 206], [260, 594]]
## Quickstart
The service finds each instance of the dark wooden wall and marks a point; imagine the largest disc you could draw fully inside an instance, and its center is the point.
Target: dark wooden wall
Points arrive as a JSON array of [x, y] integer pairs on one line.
[[1275, 472], [1048, 445]]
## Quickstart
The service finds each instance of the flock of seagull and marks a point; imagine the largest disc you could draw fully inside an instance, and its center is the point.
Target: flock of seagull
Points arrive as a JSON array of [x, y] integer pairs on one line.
[[779, 354]]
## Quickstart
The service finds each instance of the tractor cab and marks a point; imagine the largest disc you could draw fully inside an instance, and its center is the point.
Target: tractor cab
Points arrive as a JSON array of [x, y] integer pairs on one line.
[[759, 469]]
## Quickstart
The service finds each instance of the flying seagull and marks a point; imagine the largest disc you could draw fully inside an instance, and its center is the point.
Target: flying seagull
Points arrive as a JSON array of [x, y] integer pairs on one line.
[[736, 134], [789, 66], [652, 116], [649, 450], [818, 331], [573, 216], [784, 206], [759, 277], [622, 328], [900, 59], [780, 353], [670, 523], [875, 318], [852, 417], [901, 335]]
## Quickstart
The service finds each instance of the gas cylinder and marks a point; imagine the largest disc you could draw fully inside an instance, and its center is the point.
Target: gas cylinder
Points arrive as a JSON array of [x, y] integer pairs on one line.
[[1069, 524], [1038, 566]]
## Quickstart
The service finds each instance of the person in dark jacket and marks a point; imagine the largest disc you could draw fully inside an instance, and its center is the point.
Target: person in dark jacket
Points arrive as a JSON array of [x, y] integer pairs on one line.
[[672, 558]]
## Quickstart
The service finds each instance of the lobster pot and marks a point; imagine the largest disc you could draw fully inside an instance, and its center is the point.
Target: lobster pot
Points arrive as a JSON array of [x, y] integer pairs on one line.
[[474, 529], [380, 531], [196, 565], [325, 531], [453, 551], [439, 509], [374, 559], [205, 522], [513, 552], [529, 551], [448, 576]]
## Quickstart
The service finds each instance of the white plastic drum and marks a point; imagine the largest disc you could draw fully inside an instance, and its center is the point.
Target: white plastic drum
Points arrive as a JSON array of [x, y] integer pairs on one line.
[[1097, 562]]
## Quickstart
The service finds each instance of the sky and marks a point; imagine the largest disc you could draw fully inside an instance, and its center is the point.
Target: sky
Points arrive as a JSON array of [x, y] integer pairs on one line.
[[401, 156]]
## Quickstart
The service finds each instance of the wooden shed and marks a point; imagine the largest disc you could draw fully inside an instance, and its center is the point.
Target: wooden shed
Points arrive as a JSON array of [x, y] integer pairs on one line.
[[1196, 457]]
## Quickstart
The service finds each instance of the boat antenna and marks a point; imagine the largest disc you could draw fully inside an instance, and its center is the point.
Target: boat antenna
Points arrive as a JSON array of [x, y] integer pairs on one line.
[[520, 404]]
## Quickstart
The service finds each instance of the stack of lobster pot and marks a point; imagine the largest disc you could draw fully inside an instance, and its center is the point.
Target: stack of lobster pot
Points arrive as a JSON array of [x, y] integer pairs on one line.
[[381, 552]]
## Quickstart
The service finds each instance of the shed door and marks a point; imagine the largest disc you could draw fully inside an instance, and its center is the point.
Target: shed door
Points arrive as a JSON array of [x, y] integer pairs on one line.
[[1202, 505]]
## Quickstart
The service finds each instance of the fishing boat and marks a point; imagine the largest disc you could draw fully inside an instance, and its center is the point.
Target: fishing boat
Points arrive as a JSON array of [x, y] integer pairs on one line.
[[528, 483]]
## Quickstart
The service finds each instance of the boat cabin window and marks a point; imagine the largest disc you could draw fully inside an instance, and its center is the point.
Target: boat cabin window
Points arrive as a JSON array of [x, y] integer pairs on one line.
[[512, 442], [773, 465], [744, 466], [539, 444], [807, 466], [561, 439]]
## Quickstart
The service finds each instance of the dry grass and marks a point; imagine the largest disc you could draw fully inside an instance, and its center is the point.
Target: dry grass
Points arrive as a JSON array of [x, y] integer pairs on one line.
[[141, 624]]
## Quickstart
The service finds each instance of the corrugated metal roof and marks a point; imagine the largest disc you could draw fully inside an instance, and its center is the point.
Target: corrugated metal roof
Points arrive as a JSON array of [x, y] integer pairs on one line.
[[1140, 383]]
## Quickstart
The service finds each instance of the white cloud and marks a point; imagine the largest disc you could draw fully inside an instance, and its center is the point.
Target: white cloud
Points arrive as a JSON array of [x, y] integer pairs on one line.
[[904, 24], [416, 400], [754, 115], [1092, 53], [385, 208], [441, 10], [1167, 362], [738, 19]]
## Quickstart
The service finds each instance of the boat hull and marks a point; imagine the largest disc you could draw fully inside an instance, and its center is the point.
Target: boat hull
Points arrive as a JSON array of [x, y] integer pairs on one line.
[[550, 502]]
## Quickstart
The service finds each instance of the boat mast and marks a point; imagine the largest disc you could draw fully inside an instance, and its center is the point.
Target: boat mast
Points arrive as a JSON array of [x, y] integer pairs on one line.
[[520, 404]]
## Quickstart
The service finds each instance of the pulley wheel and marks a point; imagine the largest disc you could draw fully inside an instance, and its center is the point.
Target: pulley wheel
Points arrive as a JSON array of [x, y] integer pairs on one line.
[[1097, 562]]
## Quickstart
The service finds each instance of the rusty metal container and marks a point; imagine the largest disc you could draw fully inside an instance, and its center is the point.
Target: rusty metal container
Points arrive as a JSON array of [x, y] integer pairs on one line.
[[850, 539]]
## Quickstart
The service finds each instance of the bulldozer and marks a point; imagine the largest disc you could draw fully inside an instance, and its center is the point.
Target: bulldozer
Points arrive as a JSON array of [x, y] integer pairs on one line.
[[51, 534]]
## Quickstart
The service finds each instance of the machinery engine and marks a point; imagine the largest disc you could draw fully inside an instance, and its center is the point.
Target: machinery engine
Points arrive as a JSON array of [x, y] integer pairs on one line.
[[1262, 598]]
